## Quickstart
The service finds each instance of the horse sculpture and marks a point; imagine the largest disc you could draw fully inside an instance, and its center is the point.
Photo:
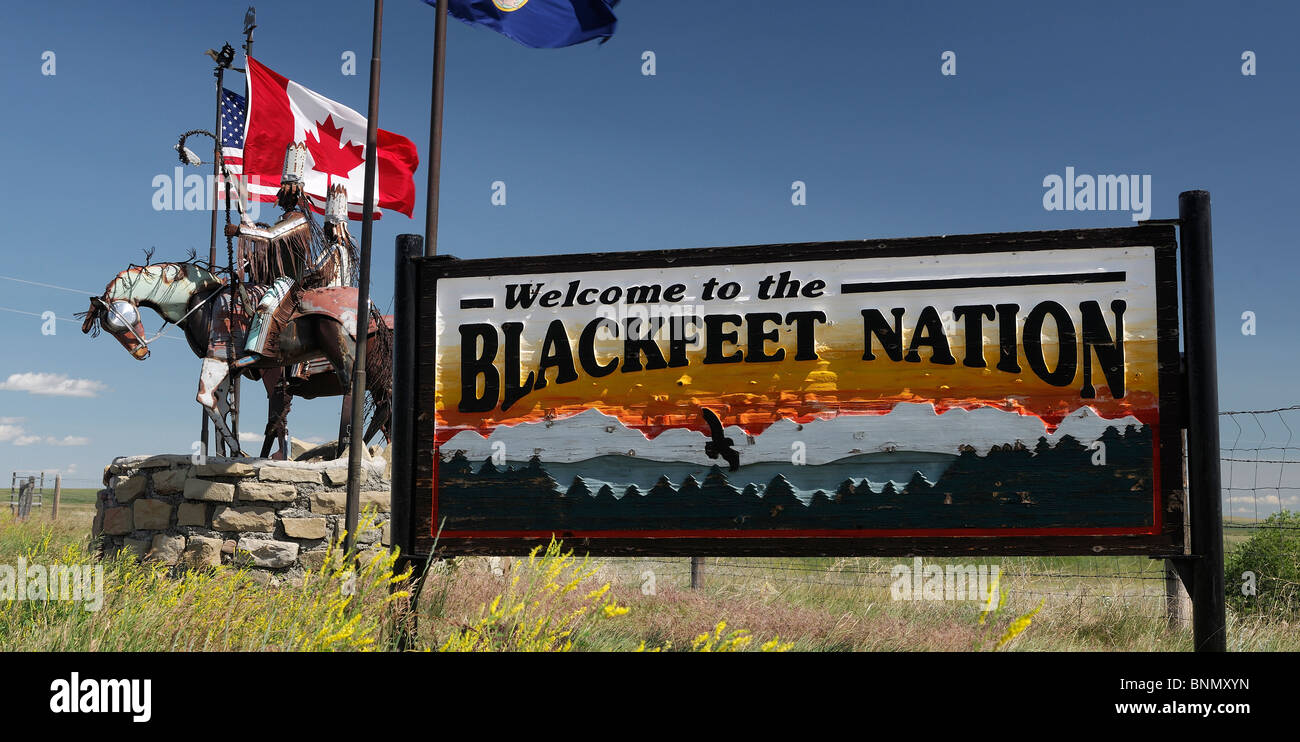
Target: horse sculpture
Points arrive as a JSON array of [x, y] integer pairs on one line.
[[318, 330]]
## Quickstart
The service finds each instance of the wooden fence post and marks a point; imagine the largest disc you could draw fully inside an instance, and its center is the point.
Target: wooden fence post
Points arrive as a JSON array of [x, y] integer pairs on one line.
[[58, 490], [1178, 604], [25, 491]]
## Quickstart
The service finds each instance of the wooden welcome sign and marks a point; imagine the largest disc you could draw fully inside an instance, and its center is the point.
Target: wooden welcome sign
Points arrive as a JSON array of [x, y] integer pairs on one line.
[[986, 394]]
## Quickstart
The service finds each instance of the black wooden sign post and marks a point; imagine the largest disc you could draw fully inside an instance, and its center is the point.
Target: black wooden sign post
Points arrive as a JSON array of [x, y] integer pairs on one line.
[[980, 395]]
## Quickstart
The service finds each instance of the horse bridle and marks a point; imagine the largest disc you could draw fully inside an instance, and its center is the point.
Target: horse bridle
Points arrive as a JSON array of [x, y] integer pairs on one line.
[[130, 325]]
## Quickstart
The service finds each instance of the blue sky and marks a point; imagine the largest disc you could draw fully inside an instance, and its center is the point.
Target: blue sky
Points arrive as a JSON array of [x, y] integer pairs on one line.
[[749, 96]]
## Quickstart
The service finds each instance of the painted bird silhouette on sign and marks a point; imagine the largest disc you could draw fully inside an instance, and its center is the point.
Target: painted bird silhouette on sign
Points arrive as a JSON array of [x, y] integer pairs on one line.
[[720, 445]]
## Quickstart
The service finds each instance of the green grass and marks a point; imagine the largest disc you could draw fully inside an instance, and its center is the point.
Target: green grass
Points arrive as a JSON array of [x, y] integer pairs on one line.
[[1088, 604], [147, 608], [816, 604]]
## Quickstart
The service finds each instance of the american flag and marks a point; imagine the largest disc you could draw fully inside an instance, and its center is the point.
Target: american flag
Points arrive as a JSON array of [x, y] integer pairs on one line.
[[233, 113]]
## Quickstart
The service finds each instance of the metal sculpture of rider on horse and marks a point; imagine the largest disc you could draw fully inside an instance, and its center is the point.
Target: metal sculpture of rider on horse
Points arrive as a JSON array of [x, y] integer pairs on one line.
[[297, 280]]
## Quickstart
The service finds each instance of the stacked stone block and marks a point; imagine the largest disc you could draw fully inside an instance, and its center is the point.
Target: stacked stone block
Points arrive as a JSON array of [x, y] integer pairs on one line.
[[275, 517]]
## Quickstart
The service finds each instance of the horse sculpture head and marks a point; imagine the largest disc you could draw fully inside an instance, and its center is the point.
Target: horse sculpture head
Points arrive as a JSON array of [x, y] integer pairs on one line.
[[164, 287]]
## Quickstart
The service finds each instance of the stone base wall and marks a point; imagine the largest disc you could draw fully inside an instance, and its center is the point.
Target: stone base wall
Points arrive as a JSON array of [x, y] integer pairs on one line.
[[276, 517]]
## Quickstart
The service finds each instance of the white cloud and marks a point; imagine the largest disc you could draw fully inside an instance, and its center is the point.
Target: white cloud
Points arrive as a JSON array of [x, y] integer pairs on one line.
[[58, 385], [11, 420], [250, 438], [18, 435]]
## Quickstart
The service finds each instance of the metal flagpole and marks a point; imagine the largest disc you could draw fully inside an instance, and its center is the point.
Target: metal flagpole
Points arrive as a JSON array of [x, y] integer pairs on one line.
[[363, 289], [435, 129], [233, 380], [220, 74], [250, 23], [404, 297]]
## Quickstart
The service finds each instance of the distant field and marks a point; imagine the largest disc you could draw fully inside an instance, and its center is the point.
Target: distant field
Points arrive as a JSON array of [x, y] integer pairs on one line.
[[74, 505], [78, 497]]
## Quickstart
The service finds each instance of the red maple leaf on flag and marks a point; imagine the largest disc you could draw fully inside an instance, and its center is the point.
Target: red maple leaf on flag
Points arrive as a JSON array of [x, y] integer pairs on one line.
[[329, 154]]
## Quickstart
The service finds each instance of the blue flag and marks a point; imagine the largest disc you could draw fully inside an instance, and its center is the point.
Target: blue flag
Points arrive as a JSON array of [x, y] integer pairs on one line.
[[543, 24]]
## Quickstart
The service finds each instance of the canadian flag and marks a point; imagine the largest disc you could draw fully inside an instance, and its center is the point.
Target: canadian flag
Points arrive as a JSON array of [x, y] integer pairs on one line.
[[281, 112]]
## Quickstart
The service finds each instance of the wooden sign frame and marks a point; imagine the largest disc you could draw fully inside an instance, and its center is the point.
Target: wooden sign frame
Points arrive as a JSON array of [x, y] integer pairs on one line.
[[416, 530]]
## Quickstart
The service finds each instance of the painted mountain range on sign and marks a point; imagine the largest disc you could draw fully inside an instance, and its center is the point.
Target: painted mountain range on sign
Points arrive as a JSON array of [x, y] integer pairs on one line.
[[910, 469]]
